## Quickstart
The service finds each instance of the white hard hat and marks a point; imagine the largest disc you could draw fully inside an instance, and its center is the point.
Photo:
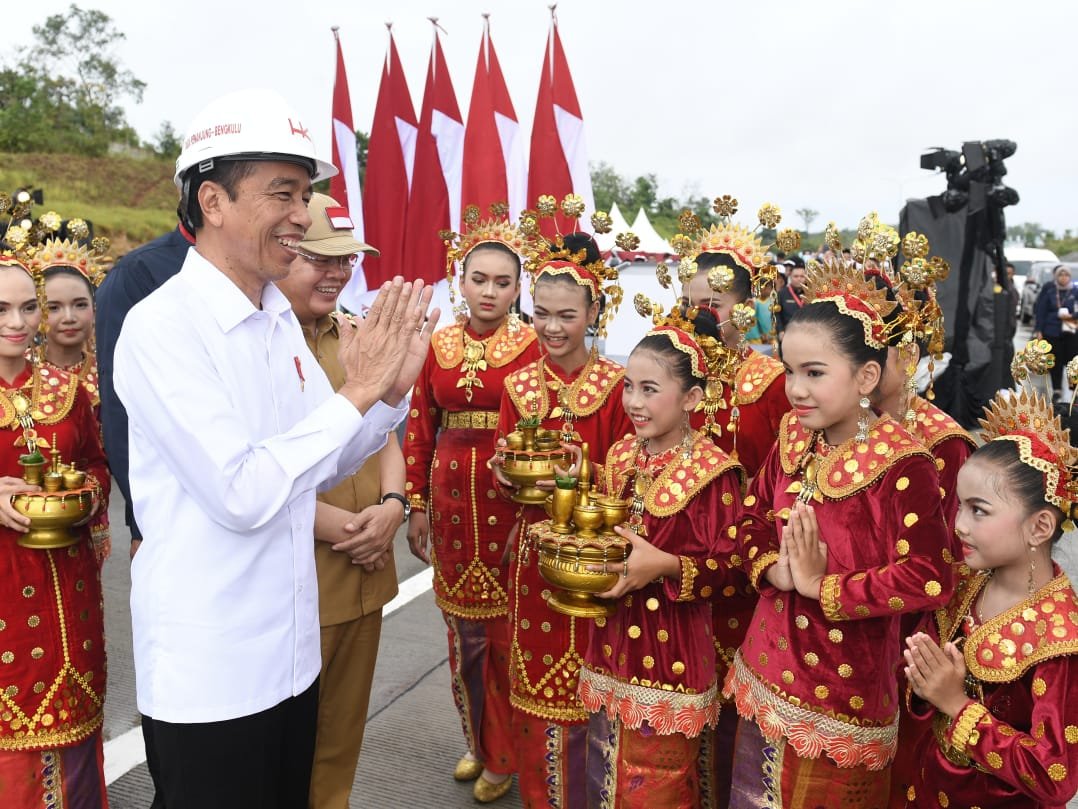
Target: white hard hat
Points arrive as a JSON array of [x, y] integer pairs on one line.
[[251, 124]]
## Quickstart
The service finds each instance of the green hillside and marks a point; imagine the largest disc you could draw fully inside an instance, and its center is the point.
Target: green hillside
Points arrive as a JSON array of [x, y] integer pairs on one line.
[[130, 200]]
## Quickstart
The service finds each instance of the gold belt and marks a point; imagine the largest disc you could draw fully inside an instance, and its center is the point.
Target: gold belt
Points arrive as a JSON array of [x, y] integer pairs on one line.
[[470, 420]]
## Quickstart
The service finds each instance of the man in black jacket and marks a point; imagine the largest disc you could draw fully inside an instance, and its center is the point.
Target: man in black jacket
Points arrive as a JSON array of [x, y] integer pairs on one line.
[[133, 277]]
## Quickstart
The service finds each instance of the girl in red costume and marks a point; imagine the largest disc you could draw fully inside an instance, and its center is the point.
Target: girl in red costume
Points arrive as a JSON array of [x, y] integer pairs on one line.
[[52, 675], [917, 325], [649, 682], [995, 670], [457, 523], [72, 274], [743, 405], [577, 393], [841, 534]]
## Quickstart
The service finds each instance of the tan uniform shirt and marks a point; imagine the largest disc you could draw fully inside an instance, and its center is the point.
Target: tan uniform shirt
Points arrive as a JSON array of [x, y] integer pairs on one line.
[[346, 591]]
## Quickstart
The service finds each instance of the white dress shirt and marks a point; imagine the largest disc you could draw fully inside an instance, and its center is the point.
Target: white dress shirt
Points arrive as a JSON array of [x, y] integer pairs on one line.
[[233, 427]]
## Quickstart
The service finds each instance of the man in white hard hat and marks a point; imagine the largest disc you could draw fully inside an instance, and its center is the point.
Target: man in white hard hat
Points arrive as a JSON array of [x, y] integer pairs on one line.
[[233, 427]]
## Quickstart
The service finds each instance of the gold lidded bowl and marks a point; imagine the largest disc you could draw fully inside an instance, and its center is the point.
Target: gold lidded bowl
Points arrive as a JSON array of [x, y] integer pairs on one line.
[[564, 562], [530, 455], [52, 516]]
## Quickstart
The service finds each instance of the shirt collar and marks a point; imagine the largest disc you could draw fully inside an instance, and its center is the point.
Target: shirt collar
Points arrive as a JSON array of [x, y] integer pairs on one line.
[[223, 299]]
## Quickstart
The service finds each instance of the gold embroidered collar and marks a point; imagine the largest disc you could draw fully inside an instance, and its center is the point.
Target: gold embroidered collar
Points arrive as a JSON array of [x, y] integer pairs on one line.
[[755, 375], [50, 394], [453, 345], [849, 467], [593, 386], [1004, 648], [932, 426], [678, 482]]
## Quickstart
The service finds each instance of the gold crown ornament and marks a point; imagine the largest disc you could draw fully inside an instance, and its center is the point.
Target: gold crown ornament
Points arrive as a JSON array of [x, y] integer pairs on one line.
[[522, 238], [713, 362], [919, 319], [1028, 419], [745, 247], [553, 258], [836, 281]]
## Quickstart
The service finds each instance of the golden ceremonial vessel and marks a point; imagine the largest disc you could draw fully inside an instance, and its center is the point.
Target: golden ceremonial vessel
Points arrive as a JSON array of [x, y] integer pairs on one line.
[[530, 455], [65, 501], [578, 535]]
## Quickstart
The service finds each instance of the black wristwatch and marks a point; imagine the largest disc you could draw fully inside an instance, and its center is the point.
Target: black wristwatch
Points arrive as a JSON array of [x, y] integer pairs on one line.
[[403, 501]]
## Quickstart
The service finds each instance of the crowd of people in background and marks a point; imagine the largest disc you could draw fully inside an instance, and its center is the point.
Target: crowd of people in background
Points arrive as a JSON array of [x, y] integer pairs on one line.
[[829, 593]]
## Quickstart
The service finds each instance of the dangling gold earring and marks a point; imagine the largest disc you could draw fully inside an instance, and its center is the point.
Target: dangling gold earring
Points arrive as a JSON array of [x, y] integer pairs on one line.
[[1032, 567], [863, 419], [686, 438]]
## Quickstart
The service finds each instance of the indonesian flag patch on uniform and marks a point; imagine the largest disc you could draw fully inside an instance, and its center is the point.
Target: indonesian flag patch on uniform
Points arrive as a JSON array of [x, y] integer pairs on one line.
[[339, 219]]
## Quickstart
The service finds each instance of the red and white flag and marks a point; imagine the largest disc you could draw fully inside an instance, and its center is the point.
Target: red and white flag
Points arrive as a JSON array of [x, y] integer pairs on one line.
[[494, 167], [439, 159], [390, 160], [559, 158], [345, 186]]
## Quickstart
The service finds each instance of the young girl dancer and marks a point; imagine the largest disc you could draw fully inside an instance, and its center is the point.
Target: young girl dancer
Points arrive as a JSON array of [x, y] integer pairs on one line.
[[842, 535], [577, 393], [457, 523], [649, 682], [993, 670]]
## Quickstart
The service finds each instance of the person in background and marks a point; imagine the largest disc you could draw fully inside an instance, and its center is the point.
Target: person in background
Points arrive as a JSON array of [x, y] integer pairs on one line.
[[1013, 301], [354, 523], [1055, 318], [790, 296], [131, 279]]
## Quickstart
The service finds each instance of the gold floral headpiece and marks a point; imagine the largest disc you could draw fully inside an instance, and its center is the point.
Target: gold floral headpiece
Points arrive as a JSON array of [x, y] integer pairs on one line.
[[553, 258], [745, 247], [1027, 419], [855, 295], [677, 326], [497, 229], [38, 245], [913, 282]]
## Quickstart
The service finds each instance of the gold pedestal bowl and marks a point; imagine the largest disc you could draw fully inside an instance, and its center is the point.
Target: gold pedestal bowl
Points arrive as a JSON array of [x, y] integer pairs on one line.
[[531, 456], [53, 515], [564, 562]]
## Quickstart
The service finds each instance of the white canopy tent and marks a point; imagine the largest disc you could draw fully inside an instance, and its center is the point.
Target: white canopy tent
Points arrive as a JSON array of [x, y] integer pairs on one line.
[[605, 241], [651, 243]]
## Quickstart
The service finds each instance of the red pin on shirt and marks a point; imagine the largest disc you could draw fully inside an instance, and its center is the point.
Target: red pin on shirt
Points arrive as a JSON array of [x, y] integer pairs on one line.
[[299, 372]]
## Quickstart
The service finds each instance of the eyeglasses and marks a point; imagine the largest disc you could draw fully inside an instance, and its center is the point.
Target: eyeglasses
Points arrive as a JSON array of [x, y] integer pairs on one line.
[[324, 263]]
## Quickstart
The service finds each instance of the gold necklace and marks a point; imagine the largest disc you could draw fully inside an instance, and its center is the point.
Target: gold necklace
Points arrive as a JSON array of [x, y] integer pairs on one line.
[[474, 361], [565, 395]]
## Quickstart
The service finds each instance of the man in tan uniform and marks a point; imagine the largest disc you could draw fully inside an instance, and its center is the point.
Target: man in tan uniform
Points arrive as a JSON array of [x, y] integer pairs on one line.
[[354, 523]]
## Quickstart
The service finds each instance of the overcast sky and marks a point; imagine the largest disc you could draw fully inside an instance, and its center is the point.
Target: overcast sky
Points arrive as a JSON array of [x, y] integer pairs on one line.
[[826, 104]]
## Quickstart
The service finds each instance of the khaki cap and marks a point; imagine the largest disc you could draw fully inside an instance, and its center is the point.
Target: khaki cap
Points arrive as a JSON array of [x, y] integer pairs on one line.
[[330, 233]]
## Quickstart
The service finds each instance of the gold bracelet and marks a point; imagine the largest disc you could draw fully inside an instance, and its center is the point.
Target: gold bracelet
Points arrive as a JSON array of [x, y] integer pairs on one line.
[[417, 502], [830, 590], [688, 577], [962, 731], [762, 561]]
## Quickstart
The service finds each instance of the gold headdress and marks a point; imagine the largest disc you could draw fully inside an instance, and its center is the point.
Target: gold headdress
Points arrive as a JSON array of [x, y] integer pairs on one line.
[[475, 231], [49, 242], [712, 360], [745, 247], [913, 284], [855, 295], [1027, 419], [554, 258]]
